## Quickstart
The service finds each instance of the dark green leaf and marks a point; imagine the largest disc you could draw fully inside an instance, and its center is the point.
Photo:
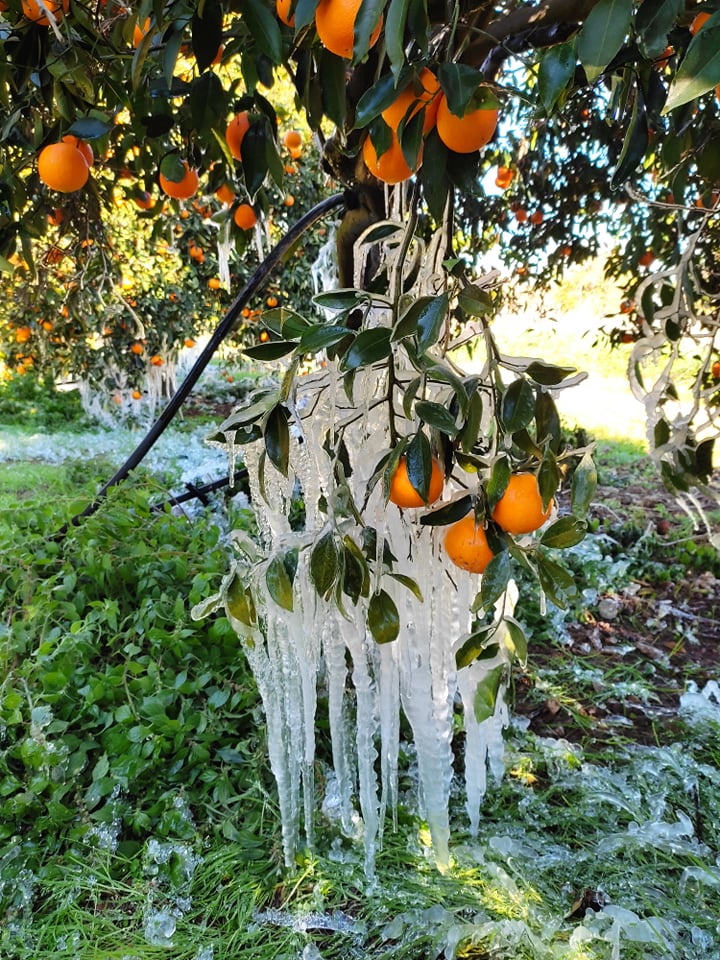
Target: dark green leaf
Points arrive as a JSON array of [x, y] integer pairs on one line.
[[383, 617], [603, 34], [565, 532], [356, 577], [254, 152], [584, 483], [548, 478], [518, 405], [320, 337], [395, 20], [375, 99], [699, 71], [424, 317], [332, 86], [487, 692], [437, 416], [459, 83], [547, 421], [432, 175], [277, 438], [408, 582], [455, 510], [653, 22], [635, 144], [495, 578], [272, 350], [206, 32], [497, 484], [344, 299], [556, 70], [471, 427], [264, 29], [324, 563], [370, 346], [548, 374], [279, 583], [207, 101], [555, 580], [365, 24], [90, 127], [418, 460]]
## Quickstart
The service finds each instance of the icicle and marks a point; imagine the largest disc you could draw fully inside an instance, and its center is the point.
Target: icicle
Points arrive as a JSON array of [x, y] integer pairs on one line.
[[224, 249]]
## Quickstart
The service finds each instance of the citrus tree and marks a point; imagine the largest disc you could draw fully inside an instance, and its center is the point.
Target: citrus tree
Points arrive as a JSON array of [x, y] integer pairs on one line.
[[384, 476]]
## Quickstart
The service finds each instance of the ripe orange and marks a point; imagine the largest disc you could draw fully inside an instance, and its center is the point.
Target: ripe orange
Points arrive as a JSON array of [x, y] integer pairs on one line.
[[466, 545], [145, 200], [245, 217], [225, 194], [23, 334], [189, 343], [214, 283], [272, 301], [292, 140], [85, 149], [699, 22], [282, 8], [289, 200], [62, 167], [136, 395], [715, 370], [537, 217], [235, 131], [156, 360], [391, 167], [181, 189], [264, 336], [521, 215], [56, 217], [504, 177], [421, 93], [404, 494], [626, 305], [646, 259], [519, 509], [137, 348], [33, 11], [335, 25], [467, 133]]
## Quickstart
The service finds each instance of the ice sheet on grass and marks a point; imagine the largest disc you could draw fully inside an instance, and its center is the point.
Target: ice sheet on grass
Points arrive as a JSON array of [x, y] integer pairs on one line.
[[696, 704]]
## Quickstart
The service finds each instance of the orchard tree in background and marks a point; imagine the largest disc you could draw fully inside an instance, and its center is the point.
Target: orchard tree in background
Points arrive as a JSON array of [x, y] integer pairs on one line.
[[531, 133]]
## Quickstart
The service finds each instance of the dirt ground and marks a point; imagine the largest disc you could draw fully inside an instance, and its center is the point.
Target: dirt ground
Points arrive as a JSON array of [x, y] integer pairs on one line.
[[635, 652]]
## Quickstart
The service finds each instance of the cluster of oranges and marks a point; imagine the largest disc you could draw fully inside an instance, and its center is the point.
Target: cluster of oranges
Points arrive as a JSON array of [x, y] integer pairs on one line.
[[518, 511], [65, 166]]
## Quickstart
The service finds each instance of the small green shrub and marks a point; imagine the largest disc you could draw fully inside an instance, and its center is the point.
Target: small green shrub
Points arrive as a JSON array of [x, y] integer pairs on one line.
[[36, 402]]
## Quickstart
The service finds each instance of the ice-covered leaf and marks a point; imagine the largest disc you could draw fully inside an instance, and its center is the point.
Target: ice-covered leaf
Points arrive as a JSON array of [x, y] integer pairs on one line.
[[324, 563], [486, 693], [565, 532], [276, 434], [279, 584], [475, 301], [475, 648], [518, 405], [495, 579], [548, 374], [437, 416], [584, 483], [370, 346], [383, 617]]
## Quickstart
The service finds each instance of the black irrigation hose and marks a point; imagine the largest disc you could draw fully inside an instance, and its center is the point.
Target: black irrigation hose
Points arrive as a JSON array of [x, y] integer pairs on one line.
[[221, 331], [199, 493]]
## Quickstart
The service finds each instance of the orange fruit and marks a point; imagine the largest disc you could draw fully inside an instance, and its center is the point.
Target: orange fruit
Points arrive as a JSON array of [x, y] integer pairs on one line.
[[699, 22], [264, 336], [282, 8], [225, 194], [335, 25], [235, 131], [419, 94], [295, 152], [272, 301], [189, 343], [289, 200], [181, 189], [520, 509], [33, 11], [292, 140], [467, 133], [504, 177], [56, 217], [521, 215], [145, 200], [156, 360], [136, 348], [537, 217], [136, 395], [140, 31], [23, 334], [715, 370], [85, 149], [245, 217], [392, 166], [404, 494], [214, 283], [626, 306], [646, 259], [466, 545], [62, 167]]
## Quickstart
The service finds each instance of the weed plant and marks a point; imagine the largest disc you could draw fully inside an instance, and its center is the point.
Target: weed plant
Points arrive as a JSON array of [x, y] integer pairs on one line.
[[30, 401]]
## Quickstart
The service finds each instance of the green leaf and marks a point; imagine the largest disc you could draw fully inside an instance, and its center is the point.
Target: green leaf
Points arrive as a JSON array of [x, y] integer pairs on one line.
[[239, 603], [276, 434], [584, 483], [254, 151], [90, 127], [699, 71], [324, 563], [495, 578], [556, 71], [408, 582], [473, 419], [423, 317], [272, 350], [555, 580], [475, 301], [603, 34], [487, 692], [548, 374], [279, 583], [383, 617], [264, 28], [343, 299], [332, 78], [369, 346], [635, 144], [207, 32], [432, 175], [516, 639], [374, 100], [565, 532], [207, 101], [437, 416], [474, 647], [418, 460], [548, 478], [547, 421], [356, 575], [455, 510], [653, 22], [518, 405], [365, 23], [395, 21], [321, 336]]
